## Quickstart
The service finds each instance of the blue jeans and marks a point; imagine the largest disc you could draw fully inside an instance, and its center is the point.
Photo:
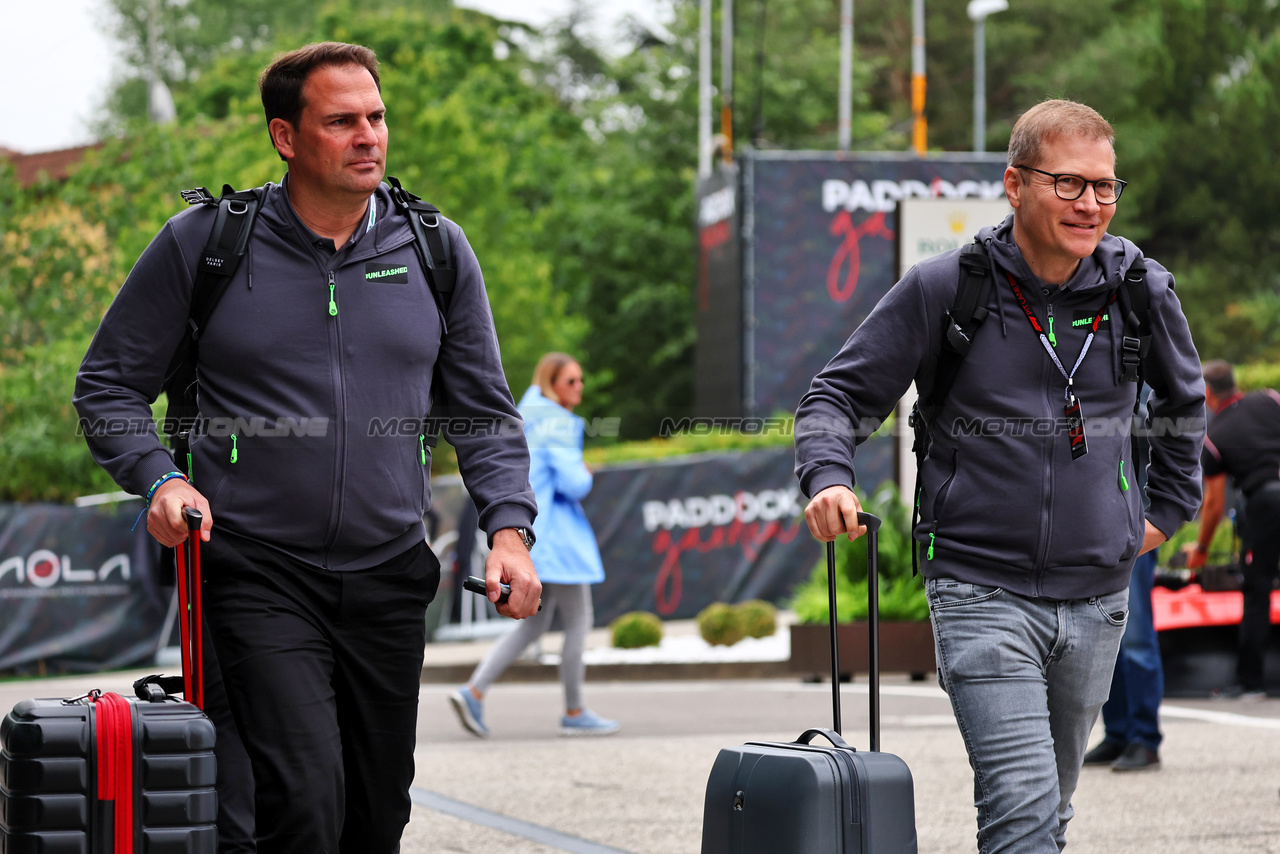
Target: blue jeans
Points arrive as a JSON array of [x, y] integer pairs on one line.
[[1132, 713], [1026, 678]]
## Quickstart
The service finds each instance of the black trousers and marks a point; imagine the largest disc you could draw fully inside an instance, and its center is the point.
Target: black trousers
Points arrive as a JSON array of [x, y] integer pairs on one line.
[[322, 673], [235, 774], [1261, 546]]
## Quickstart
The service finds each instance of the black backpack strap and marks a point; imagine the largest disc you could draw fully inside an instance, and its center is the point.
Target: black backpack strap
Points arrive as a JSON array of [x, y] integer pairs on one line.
[[222, 253], [435, 252], [432, 243], [969, 311], [226, 246], [1135, 306], [963, 320]]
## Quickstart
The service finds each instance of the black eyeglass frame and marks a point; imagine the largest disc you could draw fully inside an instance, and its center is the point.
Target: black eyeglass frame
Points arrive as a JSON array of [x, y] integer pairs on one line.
[[1120, 185]]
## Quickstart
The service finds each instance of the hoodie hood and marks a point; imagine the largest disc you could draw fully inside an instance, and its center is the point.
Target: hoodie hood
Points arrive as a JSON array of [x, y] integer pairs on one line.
[[1103, 269], [388, 232]]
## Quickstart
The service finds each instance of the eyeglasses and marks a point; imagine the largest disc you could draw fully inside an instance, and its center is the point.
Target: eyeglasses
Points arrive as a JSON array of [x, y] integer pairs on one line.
[[1071, 187]]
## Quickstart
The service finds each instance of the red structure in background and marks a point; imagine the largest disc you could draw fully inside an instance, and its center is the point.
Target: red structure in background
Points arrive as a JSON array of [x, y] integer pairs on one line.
[[56, 164], [1191, 608]]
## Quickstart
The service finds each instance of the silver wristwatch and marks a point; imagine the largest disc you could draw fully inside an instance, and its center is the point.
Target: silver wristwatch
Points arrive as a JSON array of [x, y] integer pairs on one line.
[[526, 536]]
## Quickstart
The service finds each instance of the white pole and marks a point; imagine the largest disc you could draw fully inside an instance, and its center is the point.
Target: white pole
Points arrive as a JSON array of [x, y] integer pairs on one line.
[[844, 129], [979, 85], [978, 11], [726, 78], [704, 92]]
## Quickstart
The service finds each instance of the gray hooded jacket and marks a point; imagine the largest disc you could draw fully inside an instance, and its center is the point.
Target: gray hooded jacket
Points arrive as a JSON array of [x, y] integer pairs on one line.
[[312, 439], [1003, 502]]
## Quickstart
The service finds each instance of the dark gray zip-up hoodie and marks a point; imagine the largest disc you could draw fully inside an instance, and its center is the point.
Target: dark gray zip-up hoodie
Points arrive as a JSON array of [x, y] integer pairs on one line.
[[312, 417], [1003, 502]]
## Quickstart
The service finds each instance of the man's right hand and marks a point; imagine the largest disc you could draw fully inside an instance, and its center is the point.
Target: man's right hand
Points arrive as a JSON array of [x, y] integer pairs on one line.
[[832, 512], [164, 518]]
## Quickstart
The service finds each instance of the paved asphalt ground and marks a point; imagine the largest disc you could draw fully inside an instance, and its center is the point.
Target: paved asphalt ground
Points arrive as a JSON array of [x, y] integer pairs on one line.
[[526, 790]]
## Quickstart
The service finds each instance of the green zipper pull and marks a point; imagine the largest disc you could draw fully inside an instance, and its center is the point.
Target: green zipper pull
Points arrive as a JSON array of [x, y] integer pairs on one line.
[[333, 304], [422, 445], [1053, 339], [235, 452], [929, 554], [1124, 484], [188, 465]]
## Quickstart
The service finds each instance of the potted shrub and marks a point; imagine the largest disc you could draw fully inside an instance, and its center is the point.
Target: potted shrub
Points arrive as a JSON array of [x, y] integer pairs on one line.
[[636, 629], [759, 618], [906, 636], [721, 624]]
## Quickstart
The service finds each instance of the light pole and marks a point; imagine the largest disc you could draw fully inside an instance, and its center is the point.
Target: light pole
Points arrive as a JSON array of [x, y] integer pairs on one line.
[[704, 90], [978, 11]]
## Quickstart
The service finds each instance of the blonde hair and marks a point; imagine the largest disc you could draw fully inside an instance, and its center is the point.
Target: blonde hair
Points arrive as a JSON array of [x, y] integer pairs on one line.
[[1055, 119], [548, 368]]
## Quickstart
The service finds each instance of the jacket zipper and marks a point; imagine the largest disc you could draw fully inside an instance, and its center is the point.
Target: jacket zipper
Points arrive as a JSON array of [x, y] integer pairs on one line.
[[1046, 512], [340, 409], [338, 503], [338, 508], [940, 497]]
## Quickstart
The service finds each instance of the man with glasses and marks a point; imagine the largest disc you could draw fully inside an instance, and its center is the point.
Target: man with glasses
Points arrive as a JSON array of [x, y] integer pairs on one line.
[[1029, 527]]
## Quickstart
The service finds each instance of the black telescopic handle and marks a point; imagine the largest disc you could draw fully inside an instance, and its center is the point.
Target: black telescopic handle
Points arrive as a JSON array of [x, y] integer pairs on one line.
[[873, 620], [835, 646], [872, 524]]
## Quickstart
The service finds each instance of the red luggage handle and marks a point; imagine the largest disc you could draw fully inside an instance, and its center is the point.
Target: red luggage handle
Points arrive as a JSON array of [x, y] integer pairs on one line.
[[873, 629], [189, 603]]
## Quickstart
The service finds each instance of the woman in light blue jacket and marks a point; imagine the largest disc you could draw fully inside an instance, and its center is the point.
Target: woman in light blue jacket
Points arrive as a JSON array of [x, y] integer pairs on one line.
[[565, 553]]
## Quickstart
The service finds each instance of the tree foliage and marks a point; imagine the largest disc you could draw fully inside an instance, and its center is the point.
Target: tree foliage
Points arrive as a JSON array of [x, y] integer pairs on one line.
[[465, 132], [572, 168]]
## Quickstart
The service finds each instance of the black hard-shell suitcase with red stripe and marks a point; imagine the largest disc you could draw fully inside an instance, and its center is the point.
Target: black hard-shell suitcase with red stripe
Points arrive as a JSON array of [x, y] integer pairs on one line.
[[102, 774], [795, 797]]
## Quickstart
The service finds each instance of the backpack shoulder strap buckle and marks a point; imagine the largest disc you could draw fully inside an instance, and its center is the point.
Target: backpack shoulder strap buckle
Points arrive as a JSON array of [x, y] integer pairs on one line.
[[199, 196], [1130, 358]]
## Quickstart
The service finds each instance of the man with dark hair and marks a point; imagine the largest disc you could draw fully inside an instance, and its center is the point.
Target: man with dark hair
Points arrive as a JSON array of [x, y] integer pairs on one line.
[[1028, 533], [1244, 444], [317, 577]]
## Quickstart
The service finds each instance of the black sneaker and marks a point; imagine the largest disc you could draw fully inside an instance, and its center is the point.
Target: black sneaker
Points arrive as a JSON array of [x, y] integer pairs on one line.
[[1137, 757], [1104, 754]]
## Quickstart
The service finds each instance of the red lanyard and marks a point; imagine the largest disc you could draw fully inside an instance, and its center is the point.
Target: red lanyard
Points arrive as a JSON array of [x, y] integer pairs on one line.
[[1044, 339]]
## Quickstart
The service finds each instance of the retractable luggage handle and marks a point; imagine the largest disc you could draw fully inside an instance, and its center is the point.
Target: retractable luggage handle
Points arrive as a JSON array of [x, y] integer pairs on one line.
[[191, 608], [872, 524]]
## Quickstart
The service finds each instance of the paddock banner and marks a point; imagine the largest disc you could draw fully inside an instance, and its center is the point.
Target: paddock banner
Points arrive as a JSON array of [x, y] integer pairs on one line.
[[77, 589], [823, 251], [678, 535]]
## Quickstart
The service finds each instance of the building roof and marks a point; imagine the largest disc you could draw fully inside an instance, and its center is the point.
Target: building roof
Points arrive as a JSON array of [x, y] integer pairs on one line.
[[55, 163]]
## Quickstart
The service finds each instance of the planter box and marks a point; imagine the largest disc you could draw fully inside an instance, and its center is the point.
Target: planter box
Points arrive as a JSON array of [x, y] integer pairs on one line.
[[904, 648]]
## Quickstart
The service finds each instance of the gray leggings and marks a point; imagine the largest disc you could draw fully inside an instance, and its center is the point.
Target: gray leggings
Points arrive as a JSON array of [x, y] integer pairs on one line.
[[574, 602]]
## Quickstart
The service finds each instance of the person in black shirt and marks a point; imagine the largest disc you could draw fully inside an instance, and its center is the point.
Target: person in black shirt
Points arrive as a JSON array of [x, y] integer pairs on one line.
[[1243, 442]]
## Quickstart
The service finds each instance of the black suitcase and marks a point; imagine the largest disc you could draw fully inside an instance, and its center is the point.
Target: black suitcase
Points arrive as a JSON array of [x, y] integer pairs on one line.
[[801, 798], [102, 774]]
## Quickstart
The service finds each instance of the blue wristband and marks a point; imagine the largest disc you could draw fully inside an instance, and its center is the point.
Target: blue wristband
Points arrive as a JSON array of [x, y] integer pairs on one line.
[[166, 477], [152, 491]]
